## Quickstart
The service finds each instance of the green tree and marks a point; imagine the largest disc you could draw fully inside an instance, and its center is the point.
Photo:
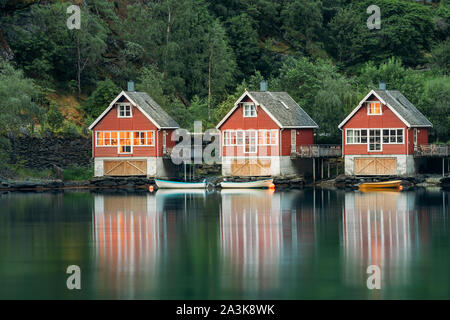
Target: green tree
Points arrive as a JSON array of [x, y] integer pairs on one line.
[[244, 41], [407, 30], [19, 98], [100, 99], [302, 23], [440, 57], [221, 65], [435, 104], [54, 117]]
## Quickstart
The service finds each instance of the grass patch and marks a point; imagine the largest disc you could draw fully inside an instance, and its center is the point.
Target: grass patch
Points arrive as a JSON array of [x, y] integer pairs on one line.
[[77, 173], [33, 174]]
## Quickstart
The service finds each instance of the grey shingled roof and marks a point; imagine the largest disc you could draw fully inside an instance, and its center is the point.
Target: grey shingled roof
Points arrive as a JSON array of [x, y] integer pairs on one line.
[[152, 109], [293, 116], [404, 108]]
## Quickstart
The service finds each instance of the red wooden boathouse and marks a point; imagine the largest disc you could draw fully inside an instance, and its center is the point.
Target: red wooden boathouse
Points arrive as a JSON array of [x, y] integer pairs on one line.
[[261, 131], [380, 135], [131, 137]]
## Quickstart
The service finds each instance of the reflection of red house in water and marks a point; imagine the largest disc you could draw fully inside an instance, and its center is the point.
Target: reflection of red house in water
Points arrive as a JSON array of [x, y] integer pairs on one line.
[[380, 228], [256, 231], [129, 237]]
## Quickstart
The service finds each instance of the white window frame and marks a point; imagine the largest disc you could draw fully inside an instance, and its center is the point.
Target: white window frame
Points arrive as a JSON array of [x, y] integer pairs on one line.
[[360, 136], [124, 105], [249, 114], [381, 140], [368, 108], [132, 138], [104, 139], [396, 135], [237, 137], [255, 145], [272, 133], [119, 145]]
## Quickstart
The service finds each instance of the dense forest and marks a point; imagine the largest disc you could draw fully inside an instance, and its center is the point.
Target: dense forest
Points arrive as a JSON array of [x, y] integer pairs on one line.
[[195, 57]]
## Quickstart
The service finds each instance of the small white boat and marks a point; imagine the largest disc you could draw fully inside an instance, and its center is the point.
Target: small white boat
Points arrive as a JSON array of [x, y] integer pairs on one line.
[[166, 184], [268, 183]]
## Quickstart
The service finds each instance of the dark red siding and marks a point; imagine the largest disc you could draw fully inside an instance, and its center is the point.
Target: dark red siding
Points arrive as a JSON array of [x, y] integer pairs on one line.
[[361, 120], [138, 122]]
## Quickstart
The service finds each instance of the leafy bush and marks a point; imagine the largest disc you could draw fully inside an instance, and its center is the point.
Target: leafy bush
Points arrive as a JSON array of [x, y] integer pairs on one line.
[[77, 173]]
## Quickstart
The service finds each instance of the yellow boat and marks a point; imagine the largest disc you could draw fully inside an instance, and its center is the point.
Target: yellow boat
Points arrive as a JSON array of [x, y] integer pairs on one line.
[[394, 184]]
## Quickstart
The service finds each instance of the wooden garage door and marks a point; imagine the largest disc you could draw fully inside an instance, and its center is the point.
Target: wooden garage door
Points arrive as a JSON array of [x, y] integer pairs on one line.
[[125, 168], [250, 167], [375, 166]]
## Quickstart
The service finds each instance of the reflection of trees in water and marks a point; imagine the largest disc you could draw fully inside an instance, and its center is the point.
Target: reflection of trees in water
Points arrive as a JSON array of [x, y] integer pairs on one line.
[[381, 228]]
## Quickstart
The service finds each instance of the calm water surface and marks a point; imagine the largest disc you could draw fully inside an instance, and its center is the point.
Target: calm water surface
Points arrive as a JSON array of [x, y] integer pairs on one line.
[[306, 244]]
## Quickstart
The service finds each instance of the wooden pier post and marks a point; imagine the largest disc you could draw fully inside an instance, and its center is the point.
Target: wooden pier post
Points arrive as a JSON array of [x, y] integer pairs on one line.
[[328, 163], [314, 169], [321, 169]]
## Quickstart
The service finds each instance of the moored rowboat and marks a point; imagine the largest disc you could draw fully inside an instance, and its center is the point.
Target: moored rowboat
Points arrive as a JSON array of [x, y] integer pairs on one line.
[[166, 184], [268, 183], [381, 185]]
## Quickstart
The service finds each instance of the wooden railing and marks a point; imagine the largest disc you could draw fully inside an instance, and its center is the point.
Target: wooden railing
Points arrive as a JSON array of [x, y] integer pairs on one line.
[[317, 151], [432, 150]]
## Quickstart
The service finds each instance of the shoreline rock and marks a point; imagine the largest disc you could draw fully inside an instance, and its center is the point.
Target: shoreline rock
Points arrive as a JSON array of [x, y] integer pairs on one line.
[[281, 183]]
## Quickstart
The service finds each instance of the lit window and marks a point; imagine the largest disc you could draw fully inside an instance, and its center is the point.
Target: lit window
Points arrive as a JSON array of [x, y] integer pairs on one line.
[[150, 139], [99, 141], [249, 110], [124, 110], [125, 142], [373, 107], [113, 138]]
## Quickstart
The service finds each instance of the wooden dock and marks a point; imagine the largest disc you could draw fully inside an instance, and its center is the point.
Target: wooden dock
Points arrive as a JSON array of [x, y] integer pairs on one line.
[[317, 151]]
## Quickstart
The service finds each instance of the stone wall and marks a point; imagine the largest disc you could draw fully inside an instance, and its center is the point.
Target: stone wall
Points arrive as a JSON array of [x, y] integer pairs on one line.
[[39, 153]]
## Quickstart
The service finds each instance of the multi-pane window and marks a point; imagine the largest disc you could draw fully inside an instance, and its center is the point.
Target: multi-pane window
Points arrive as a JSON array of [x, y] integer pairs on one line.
[[125, 142], [229, 138], [375, 140], [249, 110], [250, 141], [373, 107], [124, 110], [239, 137], [106, 138], [124, 138], [261, 137], [393, 136], [356, 136], [267, 137]]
